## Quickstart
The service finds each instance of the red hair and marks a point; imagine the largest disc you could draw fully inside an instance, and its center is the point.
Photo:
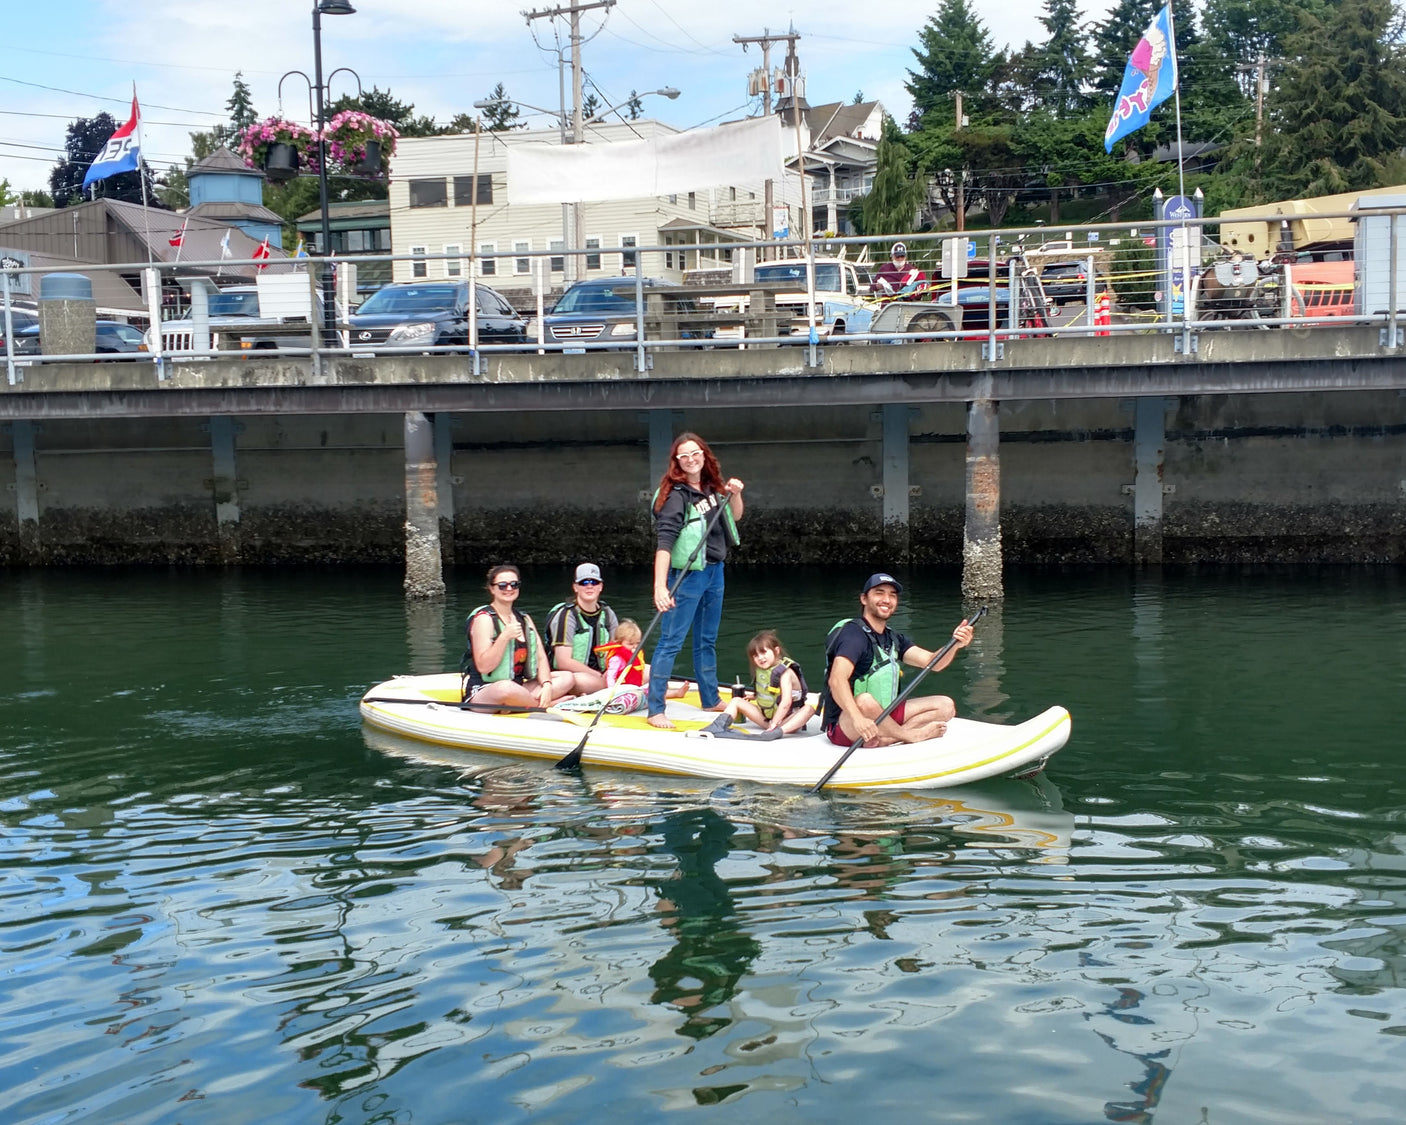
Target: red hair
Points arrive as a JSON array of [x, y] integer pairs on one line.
[[709, 480]]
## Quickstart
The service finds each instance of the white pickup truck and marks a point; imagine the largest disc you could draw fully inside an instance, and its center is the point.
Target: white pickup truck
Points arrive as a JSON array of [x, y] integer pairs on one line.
[[842, 302], [236, 313]]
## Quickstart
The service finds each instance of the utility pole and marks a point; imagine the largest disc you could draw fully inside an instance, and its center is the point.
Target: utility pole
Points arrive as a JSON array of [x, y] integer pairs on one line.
[[765, 40], [573, 10]]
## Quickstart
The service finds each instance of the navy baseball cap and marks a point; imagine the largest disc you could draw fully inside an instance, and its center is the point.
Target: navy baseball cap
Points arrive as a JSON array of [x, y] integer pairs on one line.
[[882, 579]]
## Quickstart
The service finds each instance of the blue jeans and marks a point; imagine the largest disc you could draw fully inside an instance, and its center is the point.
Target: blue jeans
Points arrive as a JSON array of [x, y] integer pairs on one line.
[[698, 605]]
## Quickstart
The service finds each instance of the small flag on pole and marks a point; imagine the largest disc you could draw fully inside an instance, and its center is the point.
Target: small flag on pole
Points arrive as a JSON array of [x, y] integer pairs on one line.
[[261, 251], [122, 153], [1149, 79], [302, 250], [224, 247], [179, 237]]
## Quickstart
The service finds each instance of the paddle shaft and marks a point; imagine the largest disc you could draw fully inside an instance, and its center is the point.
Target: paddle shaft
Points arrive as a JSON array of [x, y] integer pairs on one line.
[[573, 760], [892, 707], [468, 705]]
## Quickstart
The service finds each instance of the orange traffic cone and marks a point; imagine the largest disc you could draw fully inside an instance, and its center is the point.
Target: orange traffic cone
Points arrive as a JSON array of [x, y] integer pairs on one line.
[[1103, 314]]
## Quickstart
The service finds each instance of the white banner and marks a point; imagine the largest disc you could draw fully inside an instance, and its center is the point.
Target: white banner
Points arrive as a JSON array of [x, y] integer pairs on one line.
[[747, 151]]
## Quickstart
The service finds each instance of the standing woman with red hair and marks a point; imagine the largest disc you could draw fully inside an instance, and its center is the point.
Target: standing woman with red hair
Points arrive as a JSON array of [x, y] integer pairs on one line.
[[689, 492]]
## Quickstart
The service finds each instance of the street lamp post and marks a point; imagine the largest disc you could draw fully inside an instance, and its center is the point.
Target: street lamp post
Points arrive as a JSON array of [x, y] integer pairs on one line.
[[329, 296]]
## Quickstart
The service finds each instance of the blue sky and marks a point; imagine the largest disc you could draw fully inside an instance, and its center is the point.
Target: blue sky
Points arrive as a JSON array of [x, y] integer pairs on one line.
[[439, 54]]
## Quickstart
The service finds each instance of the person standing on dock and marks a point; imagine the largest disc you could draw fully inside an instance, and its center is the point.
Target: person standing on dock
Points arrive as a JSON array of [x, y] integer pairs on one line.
[[862, 659], [577, 629], [689, 492]]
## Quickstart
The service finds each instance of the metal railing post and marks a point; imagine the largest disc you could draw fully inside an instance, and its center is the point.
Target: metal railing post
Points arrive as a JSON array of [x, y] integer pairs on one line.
[[641, 359], [991, 299], [1090, 295], [9, 331], [1392, 301], [322, 305]]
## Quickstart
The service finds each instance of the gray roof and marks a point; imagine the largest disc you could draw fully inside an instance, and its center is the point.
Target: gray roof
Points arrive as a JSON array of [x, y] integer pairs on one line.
[[227, 211], [345, 211], [225, 160]]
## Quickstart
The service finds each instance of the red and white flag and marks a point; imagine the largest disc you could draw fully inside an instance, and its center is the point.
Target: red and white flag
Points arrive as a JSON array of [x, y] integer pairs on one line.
[[180, 236], [260, 251]]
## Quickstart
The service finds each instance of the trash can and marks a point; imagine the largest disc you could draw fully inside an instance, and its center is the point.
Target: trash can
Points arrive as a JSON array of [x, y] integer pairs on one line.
[[68, 315]]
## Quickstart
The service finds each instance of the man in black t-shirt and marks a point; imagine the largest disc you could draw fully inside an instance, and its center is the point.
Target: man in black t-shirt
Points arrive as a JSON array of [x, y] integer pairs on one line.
[[862, 665]]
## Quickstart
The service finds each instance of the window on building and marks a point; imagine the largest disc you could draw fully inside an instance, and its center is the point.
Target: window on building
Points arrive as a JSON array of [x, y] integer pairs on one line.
[[693, 201], [355, 241], [627, 242], [668, 254], [593, 253], [732, 194], [487, 266], [429, 193], [558, 262], [453, 261], [418, 267], [522, 264], [464, 189], [383, 239]]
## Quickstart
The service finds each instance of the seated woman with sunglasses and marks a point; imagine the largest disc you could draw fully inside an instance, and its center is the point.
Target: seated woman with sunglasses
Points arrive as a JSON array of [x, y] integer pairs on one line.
[[505, 661]]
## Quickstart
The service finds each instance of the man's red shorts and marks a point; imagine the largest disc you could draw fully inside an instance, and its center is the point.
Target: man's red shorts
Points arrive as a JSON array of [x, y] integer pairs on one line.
[[837, 736]]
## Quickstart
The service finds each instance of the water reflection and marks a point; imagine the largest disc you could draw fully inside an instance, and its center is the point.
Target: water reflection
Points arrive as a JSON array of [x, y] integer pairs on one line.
[[424, 637], [985, 698], [711, 951]]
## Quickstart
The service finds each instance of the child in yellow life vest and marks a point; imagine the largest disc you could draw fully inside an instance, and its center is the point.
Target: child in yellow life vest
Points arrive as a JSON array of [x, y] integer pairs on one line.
[[779, 686]]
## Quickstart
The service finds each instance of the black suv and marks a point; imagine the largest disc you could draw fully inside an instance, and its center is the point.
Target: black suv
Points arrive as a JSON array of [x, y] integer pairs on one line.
[[428, 314], [602, 310]]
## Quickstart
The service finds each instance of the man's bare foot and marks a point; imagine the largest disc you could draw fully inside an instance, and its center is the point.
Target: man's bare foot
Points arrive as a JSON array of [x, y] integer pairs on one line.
[[718, 706], [661, 721]]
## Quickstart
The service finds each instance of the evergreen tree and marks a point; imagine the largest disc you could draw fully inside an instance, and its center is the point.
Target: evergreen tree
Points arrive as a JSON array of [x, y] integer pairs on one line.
[[86, 138], [891, 204], [241, 104], [36, 198], [1064, 68], [1245, 30], [502, 115], [1339, 110], [634, 108], [956, 56]]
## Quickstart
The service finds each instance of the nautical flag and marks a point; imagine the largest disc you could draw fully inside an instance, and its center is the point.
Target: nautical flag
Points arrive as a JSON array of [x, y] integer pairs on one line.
[[1149, 79], [302, 250], [180, 236], [224, 247], [260, 251], [122, 153]]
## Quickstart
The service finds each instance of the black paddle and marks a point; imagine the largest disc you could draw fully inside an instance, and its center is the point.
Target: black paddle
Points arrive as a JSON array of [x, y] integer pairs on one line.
[[928, 667], [572, 761]]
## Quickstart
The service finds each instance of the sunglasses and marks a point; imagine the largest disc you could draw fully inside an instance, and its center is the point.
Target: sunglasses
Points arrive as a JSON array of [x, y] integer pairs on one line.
[[506, 585], [589, 582], [689, 456]]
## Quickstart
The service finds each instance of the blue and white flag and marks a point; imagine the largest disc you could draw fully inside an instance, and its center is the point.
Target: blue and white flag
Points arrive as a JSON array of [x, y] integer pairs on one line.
[[302, 250], [122, 153], [1149, 79]]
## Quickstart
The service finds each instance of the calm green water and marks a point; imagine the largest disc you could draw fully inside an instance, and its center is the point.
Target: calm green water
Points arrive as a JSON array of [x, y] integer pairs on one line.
[[221, 903]]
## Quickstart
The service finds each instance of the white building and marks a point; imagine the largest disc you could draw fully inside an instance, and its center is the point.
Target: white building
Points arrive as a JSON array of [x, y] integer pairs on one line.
[[432, 191]]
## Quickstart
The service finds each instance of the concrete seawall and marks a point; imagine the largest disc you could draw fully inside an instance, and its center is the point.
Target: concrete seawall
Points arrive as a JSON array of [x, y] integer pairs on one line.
[[1264, 477]]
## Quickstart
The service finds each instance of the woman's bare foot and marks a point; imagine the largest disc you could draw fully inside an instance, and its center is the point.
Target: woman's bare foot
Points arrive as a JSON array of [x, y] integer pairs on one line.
[[718, 706], [661, 721]]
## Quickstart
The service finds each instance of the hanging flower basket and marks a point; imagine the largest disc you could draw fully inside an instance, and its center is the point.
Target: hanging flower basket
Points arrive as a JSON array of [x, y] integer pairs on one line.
[[360, 143], [267, 145]]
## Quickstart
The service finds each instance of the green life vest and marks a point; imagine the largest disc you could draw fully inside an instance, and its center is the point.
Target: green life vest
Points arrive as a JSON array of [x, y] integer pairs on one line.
[[584, 639], [885, 669], [695, 523], [511, 657], [767, 696]]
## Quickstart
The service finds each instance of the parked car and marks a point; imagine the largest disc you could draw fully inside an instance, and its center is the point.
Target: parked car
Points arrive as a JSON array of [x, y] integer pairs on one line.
[[114, 337], [433, 314], [238, 312], [21, 319], [1065, 281], [602, 310]]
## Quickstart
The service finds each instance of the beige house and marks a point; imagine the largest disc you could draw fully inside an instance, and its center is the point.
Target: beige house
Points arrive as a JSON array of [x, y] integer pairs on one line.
[[433, 212]]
